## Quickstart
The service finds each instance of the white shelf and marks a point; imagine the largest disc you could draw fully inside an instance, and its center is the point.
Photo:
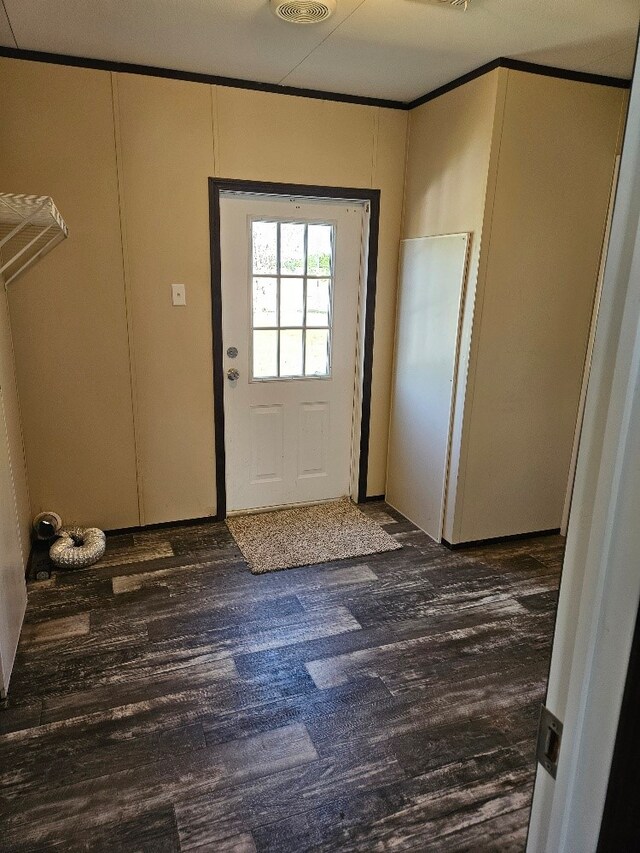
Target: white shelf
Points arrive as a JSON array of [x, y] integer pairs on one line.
[[30, 226]]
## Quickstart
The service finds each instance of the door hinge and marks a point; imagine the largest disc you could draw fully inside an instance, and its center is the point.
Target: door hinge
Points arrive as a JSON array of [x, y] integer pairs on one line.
[[549, 740]]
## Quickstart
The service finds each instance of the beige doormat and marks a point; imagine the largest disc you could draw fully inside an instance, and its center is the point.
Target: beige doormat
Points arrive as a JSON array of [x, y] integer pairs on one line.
[[306, 535]]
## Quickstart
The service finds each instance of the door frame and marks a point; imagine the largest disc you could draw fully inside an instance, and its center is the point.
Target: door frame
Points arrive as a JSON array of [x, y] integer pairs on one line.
[[600, 588], [366, 323]]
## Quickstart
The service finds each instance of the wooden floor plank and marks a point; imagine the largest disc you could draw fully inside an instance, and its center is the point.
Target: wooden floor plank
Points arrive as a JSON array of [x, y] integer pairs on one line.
[[54, 630], [165, 699]]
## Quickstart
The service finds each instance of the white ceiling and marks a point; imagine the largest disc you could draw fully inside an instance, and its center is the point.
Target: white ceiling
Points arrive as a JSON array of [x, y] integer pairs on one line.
[[396, 49]]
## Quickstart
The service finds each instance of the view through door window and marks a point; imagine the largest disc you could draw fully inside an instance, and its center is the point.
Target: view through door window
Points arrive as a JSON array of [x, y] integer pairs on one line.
[[292, 287]]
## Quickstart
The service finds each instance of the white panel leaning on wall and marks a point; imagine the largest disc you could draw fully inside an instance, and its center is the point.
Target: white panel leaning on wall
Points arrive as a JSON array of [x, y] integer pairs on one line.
[[432, 282]]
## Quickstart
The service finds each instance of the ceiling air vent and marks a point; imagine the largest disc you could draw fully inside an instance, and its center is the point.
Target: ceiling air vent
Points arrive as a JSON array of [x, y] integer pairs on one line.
[[303, 11]]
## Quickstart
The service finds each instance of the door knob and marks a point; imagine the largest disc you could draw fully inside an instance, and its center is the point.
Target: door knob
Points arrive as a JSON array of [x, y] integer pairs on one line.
[[232, 374]]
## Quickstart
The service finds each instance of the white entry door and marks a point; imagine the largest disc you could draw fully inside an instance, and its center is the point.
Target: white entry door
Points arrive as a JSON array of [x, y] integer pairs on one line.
[[291, 274]]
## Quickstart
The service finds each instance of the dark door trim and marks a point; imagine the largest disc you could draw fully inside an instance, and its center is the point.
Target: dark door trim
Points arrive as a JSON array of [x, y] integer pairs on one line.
[[221, 185]]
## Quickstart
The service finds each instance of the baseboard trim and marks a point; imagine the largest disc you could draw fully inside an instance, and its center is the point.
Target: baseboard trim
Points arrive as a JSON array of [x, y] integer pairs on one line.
[[496, 540], [192, 522], [162, 525]]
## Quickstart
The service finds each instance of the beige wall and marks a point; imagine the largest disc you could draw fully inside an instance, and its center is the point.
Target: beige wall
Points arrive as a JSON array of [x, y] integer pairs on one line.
[[447, 162], [166, 156], [557, 152], [68, 312], [525, 162], [448, 166], [116, 385], [117, 394]]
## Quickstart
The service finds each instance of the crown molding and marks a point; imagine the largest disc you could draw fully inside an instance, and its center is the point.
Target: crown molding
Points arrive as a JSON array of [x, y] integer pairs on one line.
[[195, 77], [318, 94], [529, 68]]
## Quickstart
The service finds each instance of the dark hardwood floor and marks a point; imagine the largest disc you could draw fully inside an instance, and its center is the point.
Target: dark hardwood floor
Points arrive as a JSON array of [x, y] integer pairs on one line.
[[166, 699]]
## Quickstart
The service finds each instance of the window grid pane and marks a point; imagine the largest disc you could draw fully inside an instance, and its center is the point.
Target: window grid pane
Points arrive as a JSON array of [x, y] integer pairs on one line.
[[265, 310], [265, 352], [291, 338], [292, 302], [291, 355]]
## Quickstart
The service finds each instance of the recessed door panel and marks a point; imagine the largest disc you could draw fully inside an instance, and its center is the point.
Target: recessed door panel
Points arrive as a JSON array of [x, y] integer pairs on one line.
[[267, 444], [313, 440]]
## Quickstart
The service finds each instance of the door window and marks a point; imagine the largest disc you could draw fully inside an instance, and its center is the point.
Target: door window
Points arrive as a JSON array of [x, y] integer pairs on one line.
[[291, 298]]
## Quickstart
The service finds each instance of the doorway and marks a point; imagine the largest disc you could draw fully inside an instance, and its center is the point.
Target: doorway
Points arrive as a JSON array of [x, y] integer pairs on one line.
[[293, 296]]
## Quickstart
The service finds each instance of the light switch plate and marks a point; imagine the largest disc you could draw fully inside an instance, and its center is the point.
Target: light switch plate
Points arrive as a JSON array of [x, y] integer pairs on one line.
[[178, 294]]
